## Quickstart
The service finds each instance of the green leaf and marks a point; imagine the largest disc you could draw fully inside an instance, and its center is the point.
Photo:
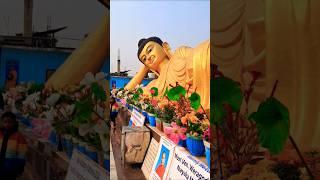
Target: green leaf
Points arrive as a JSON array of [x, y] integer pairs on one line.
[[195, 101], [225, 91], [273, 124], [98, 92], [175, 93], [136, 97], [156, 92], [35, 88], [83, 111], [140, 91]]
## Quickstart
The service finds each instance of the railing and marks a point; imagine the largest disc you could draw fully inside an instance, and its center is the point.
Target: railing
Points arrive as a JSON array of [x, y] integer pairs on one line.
[[41, 42]]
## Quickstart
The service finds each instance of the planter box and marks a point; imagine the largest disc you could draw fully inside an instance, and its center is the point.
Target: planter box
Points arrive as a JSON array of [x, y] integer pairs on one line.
[[195, 145]]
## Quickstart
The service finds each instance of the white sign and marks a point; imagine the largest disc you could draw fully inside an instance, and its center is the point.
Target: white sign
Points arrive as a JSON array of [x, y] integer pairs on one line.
[[186, 167], [83, 168], [150, 157], [163, 159], [137, 118]]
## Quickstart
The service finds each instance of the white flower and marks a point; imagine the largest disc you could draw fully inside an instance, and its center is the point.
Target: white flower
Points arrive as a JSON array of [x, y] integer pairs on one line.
[[53, 99], [100, 111], [85, 129], [120, 93], [144, 106], [88, 79], [32, 100], [139, 86], [100, 78], [70, 109], [49, 115]]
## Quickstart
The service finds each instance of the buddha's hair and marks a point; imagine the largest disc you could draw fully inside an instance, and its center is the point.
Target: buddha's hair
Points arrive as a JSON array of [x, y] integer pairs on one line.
[[142, 42]]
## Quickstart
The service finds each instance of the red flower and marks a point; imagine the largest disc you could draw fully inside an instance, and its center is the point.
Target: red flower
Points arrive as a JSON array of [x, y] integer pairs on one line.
[[152, 91]]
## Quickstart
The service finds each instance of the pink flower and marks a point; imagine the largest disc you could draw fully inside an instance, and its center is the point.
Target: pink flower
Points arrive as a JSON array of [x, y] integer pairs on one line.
[[154, 102], [152, 91], [175, 132], [206, 134]]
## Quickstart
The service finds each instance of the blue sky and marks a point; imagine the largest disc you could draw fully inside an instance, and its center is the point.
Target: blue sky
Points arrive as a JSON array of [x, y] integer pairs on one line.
[[176, 22]]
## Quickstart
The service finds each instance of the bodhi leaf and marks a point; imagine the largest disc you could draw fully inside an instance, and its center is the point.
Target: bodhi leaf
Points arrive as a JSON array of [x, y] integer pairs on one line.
[[98, 92], [272, 120], [136, 97], [155, 91], [35, 88], [83, 111], [195, 101], [225, 91], [140, 91], [175, 93]]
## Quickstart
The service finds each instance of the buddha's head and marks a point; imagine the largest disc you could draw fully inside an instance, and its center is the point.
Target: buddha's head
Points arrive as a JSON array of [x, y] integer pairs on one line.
[[152, 52]]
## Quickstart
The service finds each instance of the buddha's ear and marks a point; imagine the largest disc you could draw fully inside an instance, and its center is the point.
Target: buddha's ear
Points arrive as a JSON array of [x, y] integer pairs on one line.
[[167, 49]]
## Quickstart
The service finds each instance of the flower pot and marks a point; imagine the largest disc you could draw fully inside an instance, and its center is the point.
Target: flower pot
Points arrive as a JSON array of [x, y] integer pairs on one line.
[[130, 107], [159, 124], [64, 142], [75, 143], [53, 137], [69, 146], [26, 121], [92, 153], [207, 150], [82, 147], [145, 114], [106, 162], [195, 145], [152, 120], [182, 143]]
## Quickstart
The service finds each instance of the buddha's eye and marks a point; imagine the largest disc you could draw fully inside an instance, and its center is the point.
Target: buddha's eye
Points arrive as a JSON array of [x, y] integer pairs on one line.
[[149, 49], [144, 58]]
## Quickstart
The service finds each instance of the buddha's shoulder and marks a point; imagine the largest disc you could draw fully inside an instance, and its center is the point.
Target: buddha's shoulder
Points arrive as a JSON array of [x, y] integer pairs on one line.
[[183, 52]]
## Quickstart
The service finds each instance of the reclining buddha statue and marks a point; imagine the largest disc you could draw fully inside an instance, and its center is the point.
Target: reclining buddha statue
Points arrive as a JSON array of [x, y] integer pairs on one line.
[[189, 67]]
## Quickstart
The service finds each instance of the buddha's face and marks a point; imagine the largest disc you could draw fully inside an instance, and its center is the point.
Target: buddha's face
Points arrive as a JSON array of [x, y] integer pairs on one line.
[[152, 55]]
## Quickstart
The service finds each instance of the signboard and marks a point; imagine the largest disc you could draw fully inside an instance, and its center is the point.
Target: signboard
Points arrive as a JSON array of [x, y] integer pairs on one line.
[[83, 168], [163, 159], [186, 167], [137, 119], [150, 158]]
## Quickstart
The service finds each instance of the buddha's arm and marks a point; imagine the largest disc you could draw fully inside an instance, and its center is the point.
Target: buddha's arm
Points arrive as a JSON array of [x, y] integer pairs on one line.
[[137, 79]]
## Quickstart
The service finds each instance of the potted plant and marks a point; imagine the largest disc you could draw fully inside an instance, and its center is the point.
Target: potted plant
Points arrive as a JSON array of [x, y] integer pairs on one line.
[[168, 115], [206, 142], [159, 120], [176, 133], [93, 146], [194, 134], [151, 115], [268, 126], [144, 105]]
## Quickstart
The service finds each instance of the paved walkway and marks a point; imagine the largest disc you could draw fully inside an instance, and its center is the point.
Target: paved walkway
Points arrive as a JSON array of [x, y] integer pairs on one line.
[[113, 168]]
